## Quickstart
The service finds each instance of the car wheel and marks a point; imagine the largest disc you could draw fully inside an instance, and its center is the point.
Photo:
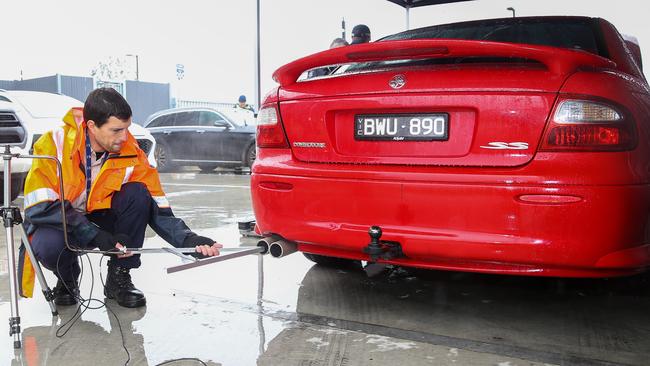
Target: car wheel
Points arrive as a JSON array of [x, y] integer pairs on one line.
[[249, 159], [163, 158], [333, 261], [206, 168]]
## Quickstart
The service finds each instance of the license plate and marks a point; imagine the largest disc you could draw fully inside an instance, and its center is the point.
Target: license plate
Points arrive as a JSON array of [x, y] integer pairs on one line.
[[402, 127]]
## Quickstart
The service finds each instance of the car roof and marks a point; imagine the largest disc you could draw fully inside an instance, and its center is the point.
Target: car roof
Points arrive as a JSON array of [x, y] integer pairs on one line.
[[42, 104], [185, 109]]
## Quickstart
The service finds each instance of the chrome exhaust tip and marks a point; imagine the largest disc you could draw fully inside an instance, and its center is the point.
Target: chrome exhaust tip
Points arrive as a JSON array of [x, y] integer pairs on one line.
[[265, 244], [282, 248]]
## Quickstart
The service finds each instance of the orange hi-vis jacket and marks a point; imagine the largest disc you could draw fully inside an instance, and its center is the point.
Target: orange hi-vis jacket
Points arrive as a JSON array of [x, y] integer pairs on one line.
[[67, 143]]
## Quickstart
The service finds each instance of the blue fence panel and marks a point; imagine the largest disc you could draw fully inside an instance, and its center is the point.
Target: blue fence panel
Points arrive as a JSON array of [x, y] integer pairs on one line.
[[146, 98], [44, 84], [7, 84], [77, 87]]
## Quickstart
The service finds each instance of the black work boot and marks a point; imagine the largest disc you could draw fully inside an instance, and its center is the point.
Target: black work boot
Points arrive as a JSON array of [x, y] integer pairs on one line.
[[66, 293], [119, 287]]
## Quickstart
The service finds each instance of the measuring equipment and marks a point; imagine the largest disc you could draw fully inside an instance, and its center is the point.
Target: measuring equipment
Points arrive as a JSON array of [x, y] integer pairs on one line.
[[184, 253]]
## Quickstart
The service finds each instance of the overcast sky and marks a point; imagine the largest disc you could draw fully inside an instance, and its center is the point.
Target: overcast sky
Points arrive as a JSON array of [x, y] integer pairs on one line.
[[215, 40]]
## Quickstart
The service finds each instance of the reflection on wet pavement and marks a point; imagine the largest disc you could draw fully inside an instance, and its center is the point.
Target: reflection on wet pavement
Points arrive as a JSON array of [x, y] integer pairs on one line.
[[549, 320], [266, 311]]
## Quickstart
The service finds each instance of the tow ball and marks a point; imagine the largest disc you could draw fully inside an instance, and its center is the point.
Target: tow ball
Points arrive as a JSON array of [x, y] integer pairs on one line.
[[382, 249]]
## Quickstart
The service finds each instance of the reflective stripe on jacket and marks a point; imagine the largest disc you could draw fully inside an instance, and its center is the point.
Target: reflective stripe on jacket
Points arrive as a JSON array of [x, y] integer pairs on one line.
[[67, 143]]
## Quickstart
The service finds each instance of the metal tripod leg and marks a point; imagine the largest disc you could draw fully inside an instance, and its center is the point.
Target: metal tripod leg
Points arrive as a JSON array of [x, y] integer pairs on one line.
[[47, 292], [11, 217], [14, 320]]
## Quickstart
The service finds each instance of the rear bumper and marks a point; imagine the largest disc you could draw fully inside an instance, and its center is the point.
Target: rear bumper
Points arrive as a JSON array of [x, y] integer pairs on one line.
[[602, 231]]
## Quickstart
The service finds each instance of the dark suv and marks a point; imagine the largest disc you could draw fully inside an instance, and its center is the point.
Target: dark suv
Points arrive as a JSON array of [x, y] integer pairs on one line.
[[203, 137]]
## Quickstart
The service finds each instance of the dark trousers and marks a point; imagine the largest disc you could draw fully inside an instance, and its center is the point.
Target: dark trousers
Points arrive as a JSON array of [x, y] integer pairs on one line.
[[129, 214]]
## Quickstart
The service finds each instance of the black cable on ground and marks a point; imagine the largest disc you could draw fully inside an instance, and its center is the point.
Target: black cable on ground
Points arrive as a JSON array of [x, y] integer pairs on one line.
[[182, 359], [85, 303]]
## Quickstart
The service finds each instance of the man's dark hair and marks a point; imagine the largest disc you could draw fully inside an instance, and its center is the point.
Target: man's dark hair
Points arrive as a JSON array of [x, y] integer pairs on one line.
[[103, 103]]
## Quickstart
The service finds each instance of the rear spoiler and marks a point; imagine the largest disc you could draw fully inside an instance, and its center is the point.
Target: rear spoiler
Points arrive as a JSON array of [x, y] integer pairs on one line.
[[557, 60]]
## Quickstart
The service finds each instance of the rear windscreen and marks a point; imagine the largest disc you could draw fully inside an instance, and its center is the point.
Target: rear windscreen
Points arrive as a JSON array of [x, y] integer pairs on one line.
[[577, 33], [573, 33]]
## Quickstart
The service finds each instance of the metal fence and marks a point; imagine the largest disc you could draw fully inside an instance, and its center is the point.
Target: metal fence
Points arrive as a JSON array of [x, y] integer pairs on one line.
[[198, 103]]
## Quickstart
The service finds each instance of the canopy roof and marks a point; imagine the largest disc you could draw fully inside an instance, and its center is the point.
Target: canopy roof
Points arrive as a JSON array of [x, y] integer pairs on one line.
[[418, 3]]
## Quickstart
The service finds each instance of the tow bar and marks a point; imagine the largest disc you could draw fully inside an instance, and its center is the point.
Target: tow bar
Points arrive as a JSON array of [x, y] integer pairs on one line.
[[382, 249]]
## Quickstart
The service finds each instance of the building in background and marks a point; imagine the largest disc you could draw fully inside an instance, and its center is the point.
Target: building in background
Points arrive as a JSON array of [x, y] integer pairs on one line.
[[145, 98]]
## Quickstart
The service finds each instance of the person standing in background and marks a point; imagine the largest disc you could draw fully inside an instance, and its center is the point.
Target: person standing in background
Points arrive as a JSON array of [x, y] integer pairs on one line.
[[360, 34], [323, 71], [241, 104], [338, 42], [245, 112]]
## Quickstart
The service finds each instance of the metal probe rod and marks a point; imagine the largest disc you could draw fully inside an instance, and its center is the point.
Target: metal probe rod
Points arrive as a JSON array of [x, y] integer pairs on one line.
[[203, 262], [59, 171]]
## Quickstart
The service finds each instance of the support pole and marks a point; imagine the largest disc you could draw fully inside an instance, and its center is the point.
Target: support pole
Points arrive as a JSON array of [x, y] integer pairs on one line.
[[260, 303], [258, 94], [8, 219], [408, 18]]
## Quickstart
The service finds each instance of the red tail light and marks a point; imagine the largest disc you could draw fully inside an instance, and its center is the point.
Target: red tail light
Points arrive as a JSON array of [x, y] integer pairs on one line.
[[584, 125], [584, 136], [269, 129]]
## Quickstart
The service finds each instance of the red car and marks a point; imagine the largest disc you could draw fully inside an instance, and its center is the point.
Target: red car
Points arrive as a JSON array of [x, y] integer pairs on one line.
[[513, 146]]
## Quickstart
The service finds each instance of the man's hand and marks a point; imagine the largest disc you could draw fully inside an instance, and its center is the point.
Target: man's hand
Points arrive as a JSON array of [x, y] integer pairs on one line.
[[205, 247], [108, 242], [123, 252], [123, 242], [209, 250]]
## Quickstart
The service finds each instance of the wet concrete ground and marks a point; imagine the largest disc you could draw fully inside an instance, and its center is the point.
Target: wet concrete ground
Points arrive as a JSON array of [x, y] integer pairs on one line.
[[266, 311]]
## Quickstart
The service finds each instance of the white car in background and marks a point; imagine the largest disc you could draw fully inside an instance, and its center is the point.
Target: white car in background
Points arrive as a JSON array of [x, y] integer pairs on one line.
[[40, 112]]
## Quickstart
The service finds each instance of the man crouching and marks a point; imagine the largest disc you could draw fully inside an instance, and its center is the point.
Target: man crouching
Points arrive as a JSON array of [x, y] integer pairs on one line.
[[111, 194]]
